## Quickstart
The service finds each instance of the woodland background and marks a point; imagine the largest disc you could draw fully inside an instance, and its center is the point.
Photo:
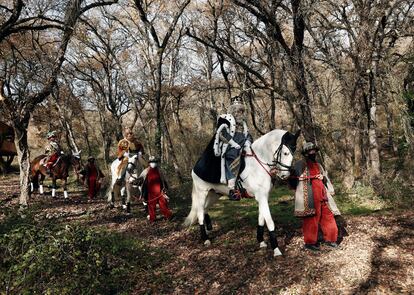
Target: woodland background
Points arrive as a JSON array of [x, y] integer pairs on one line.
[[341, 71]]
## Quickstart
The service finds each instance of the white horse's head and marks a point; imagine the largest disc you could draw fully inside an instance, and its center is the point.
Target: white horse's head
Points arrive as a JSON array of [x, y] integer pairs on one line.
[[283, 155], [133, 162]]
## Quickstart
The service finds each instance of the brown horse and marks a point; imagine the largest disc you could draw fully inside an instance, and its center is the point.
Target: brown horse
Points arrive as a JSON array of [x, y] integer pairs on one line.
[[60, 170]]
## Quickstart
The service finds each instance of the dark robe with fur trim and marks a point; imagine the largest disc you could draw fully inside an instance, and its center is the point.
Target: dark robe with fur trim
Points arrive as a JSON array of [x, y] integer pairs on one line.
[[208, 166]]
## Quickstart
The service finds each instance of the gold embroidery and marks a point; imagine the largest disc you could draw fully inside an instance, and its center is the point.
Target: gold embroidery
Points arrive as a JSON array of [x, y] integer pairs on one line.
[[305, 192]]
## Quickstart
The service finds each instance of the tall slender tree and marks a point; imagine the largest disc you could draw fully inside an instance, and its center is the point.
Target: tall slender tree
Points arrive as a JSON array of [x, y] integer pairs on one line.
[[22, 87]]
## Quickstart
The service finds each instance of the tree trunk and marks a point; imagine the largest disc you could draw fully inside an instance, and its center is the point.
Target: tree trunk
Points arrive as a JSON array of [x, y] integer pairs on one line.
[[374, 156], [23, 154], [118, 130], [71, 138], [390, 133], [158, 109], [107, 142], [306, 121], [350, 174], [173, 155], [358, 153], [86, 134], [209, 71], [146, 132], [373, 147]]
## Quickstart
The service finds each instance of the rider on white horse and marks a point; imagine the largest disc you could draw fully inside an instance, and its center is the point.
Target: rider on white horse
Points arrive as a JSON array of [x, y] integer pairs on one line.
[[128, 145], [231, 137]]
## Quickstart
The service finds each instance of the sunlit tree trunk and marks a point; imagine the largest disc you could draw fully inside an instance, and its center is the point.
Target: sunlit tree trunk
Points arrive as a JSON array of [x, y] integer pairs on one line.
[[23, 154], [374, 155]]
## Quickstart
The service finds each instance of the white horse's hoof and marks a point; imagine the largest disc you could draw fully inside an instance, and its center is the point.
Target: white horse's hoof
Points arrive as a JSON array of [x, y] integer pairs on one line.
[[276, 252], [207, 243], [124, 207], [263, 244]]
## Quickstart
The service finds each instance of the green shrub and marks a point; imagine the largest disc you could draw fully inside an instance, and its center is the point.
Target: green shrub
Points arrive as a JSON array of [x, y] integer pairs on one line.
[[71, 260]]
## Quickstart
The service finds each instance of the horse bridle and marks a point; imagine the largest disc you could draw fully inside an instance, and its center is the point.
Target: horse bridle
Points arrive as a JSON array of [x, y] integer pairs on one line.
[[132, 164], [132, 169], [276, 160]]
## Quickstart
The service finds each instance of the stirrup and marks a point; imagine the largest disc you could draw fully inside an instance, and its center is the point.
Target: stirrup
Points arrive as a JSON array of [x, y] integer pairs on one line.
[[244, 194]]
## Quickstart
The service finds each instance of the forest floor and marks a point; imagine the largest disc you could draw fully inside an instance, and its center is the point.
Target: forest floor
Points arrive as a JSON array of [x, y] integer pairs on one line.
[[377, 256]]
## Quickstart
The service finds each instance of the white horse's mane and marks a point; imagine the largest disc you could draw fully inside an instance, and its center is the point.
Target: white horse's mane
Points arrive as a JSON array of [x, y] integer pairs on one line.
[[268, 143]]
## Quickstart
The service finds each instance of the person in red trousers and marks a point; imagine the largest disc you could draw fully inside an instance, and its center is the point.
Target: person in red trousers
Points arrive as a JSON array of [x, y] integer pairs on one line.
[[313, 200], [92, 177], [153, 190]]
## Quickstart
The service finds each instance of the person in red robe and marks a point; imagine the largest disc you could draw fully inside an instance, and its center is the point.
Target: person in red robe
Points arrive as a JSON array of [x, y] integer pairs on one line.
[[313, 200], [92, 177], [153, 190]]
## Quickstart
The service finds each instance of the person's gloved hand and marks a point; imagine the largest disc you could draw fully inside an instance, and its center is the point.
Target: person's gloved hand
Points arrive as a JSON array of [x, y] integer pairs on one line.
[[247, 143], [234, 144]]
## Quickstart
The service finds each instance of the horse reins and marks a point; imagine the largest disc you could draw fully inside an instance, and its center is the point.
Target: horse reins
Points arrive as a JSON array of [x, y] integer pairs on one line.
[[276, 161], [278, 154]]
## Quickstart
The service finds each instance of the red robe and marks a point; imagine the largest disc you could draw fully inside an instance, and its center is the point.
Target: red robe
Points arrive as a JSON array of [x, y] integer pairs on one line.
[[323, 216], [93, 175], [154, 186]]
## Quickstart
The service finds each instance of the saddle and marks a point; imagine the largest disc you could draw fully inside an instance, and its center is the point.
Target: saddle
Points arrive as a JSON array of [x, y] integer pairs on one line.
[[43, 161], [209, 166]]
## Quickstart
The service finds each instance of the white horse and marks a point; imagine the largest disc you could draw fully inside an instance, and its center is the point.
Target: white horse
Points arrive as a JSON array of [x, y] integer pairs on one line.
[[270, 155], [127, 188]]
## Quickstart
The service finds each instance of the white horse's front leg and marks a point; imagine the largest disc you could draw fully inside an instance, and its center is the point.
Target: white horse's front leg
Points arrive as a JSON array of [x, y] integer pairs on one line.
[[65, 192], [110, 196], [264, 209], [123, 196], [260, 231]]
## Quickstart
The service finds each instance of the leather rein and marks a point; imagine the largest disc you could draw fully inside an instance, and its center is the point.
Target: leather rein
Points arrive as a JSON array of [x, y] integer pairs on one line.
[[275, 163]]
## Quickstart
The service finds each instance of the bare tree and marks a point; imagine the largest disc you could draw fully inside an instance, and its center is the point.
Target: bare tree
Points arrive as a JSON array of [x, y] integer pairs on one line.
[[158, 40], [23, 91], [263, 35], [66, 105], [362, 63], [101, 63]]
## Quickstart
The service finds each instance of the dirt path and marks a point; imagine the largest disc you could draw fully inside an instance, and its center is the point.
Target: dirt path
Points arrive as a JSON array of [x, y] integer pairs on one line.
[[376, 258]]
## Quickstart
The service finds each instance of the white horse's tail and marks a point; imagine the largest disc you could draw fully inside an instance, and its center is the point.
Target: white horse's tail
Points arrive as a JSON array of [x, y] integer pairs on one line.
[[192, 216]]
